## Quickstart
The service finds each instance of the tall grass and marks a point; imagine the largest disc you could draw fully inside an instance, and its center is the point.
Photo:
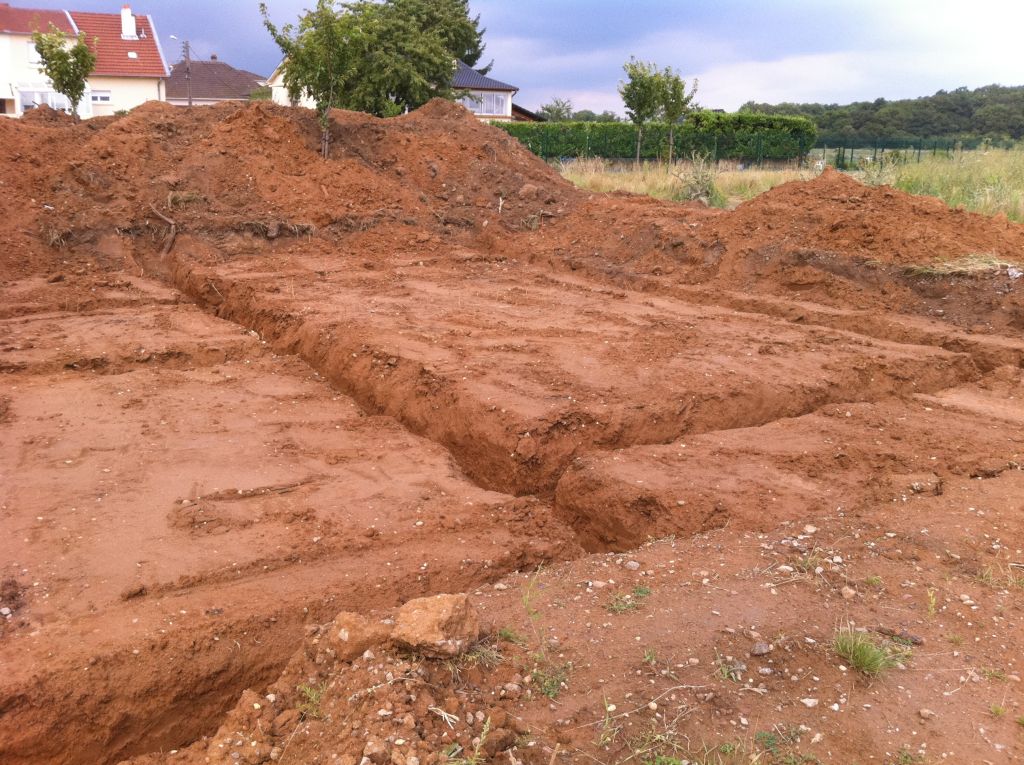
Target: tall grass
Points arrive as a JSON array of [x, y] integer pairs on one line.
[[984, 181], [670, 182], [987, 182]]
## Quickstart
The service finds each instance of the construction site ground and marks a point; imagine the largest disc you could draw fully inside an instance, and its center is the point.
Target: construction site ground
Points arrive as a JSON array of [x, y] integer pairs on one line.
[[669, 452]]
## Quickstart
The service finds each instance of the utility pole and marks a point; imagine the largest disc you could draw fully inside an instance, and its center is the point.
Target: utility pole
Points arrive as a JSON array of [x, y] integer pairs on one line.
[[188, 71], [186, 50]]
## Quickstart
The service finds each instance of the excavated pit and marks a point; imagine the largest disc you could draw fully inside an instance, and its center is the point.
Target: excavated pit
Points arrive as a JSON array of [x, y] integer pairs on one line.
[[416, 367]]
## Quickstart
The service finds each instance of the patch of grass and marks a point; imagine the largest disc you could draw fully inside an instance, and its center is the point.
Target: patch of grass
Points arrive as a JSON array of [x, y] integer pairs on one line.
[[862, 653], [993, 674], [622, 602], [727, 670], [986, 181], [609, 731], [809, 562], [1001, 576], [997, 710], [698, 181], [549, 678], [509, 635], [183, 198], [731, 184], [477, 757], [312, 697], [1020, 721], [650, 656], [907, 757], [873, 581], [955, 639], [932, 603]]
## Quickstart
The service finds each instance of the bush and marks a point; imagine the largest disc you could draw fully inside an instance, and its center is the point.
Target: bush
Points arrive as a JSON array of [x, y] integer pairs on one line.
[[742, 136]]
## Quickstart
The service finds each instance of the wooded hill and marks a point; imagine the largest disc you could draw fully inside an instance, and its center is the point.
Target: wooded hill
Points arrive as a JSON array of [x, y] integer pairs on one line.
[[994, 112]]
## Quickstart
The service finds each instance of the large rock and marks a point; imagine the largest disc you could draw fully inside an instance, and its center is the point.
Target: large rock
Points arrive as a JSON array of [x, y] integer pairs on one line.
[[351, 634], [442, 625]]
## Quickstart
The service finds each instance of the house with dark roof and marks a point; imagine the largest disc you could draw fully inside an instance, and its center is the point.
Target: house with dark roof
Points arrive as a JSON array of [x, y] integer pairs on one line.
[[210, 81], [130, 67], [487, 98]]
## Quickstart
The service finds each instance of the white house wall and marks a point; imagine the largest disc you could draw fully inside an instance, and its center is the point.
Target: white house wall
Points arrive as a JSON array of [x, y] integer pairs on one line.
[[125, 93], [19, 77]]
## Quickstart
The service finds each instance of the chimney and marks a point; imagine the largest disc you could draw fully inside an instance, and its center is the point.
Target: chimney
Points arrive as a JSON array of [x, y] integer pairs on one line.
[[128, 30], [213, 57]]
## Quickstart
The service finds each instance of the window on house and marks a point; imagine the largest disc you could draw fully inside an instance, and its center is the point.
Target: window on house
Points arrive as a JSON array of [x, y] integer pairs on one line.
[[30, 99], [101, 96], [33, 54], [485, 102]]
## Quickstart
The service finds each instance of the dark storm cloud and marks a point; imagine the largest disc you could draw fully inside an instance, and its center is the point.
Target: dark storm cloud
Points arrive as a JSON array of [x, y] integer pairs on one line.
[[821, 50]]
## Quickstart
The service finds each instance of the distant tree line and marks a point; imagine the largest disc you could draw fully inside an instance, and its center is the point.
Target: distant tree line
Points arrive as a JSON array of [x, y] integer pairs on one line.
[[562, 110], [993, 112]]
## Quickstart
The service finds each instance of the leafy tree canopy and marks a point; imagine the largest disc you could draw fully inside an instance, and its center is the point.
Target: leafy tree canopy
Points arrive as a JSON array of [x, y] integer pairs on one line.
[[558, 110], [676, 102], [642, 95], [377, 57], [67, 65], [586, 115]]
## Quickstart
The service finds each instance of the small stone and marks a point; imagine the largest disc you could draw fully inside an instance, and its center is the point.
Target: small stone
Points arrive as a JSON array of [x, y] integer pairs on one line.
[[500, 586], [633, 565], [5, 611], [760, 649], [817, 738], [376, 752], [785, 569], [848, 593], [809, 703], [926, 714], [809, 529], [653, 706]]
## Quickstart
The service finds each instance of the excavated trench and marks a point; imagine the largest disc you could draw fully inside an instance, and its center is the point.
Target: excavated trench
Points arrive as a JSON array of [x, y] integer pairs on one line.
[[170, 708], [519, 427]]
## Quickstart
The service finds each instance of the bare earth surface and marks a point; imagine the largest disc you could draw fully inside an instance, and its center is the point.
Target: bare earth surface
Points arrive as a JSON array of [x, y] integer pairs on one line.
[[245, 389]]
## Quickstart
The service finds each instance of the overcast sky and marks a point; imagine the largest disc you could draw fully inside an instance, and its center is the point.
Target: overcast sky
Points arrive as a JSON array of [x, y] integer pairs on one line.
[[768, 50]]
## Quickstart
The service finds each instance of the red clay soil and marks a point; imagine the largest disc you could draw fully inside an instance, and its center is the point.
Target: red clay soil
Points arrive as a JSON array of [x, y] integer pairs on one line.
[[246, 388]]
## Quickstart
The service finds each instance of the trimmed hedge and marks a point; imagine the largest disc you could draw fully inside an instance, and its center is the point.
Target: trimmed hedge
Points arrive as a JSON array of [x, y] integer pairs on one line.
[[749, 137]]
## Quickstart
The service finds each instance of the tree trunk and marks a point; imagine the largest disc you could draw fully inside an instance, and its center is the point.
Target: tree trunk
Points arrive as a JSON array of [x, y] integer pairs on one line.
[[639, 139], [671, 142]]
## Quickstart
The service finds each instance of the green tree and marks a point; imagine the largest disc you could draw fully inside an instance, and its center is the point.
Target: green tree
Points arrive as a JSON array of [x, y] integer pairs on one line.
[[67, 65], [676, 102], [320, 59], [559, 110], [587, 115], [378, 57], [641, 94]]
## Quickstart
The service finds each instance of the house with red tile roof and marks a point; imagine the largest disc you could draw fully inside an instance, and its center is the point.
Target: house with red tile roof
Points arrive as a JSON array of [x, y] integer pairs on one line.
[[130, 65]]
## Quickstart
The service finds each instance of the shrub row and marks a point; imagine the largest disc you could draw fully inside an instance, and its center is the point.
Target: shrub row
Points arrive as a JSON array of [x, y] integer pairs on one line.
[[749, 137]]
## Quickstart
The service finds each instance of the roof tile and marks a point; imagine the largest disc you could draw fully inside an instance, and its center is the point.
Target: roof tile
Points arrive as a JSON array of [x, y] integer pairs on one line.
[[103, 34], [25, 21]]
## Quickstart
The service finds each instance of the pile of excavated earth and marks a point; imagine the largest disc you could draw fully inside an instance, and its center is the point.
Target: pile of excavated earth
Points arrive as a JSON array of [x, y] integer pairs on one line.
[[419, 454]]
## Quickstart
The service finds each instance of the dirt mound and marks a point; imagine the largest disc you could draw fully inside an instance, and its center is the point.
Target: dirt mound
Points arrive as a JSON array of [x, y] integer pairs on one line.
[[44, 115], [836, 214]]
